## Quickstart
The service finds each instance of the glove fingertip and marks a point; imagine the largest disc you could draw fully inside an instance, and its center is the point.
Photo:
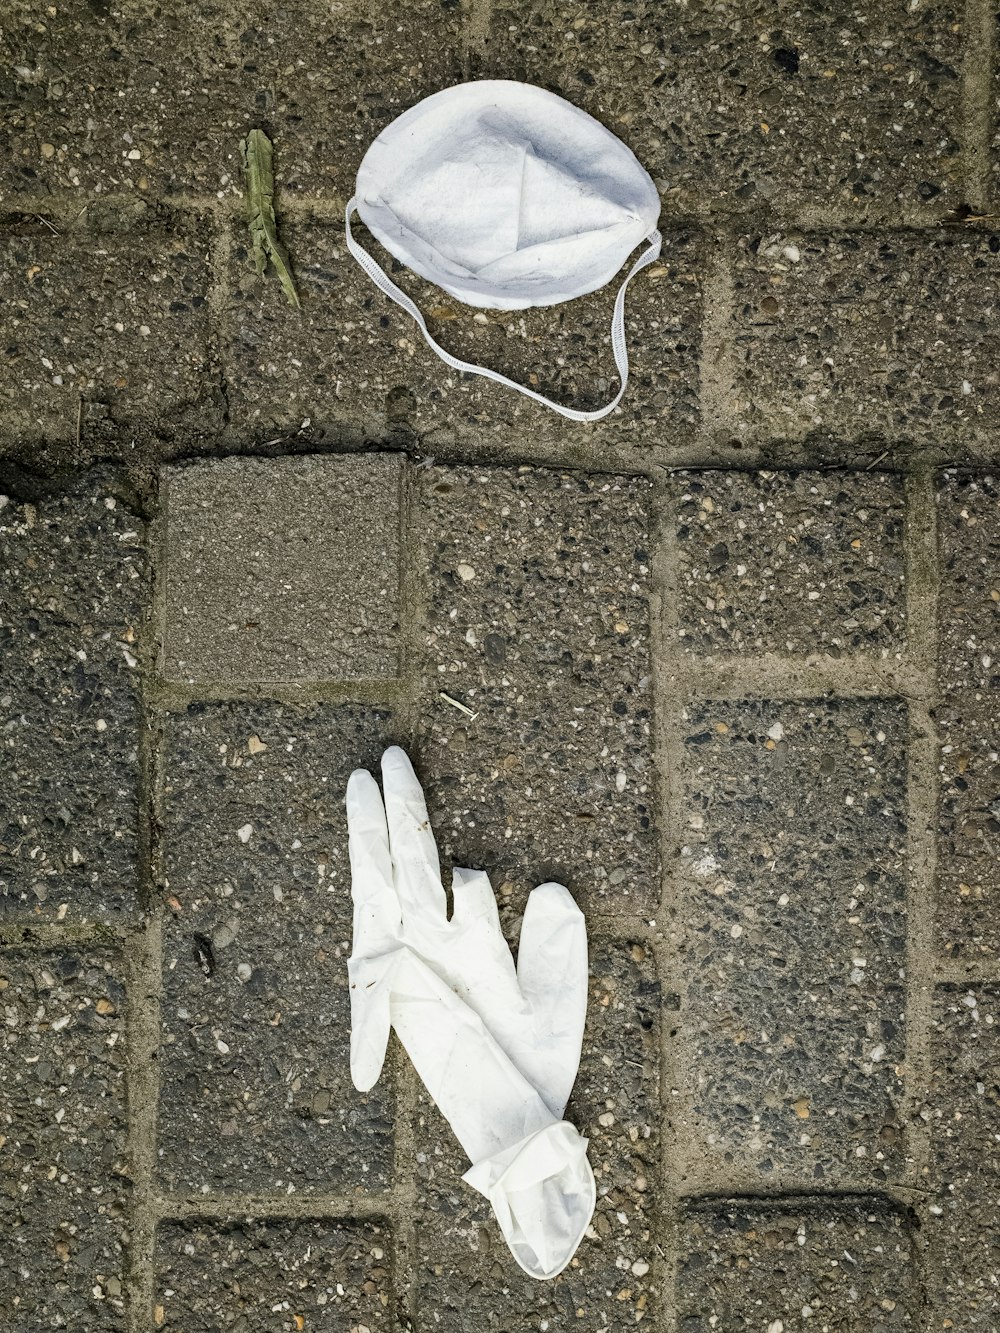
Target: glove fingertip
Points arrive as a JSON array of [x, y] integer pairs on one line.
[[366, 1066], [359, 786], [395, 759], [553, 900]]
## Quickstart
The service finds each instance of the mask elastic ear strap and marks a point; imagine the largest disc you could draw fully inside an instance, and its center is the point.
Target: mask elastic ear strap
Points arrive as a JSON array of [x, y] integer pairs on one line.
[[385, 284]]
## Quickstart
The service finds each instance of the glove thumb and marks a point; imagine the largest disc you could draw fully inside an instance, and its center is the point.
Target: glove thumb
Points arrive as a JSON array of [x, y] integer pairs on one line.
[[371, 990]]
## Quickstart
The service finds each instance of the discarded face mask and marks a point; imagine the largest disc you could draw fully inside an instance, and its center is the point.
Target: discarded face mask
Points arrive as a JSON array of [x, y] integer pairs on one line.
[[497, 1048], [507, 196]]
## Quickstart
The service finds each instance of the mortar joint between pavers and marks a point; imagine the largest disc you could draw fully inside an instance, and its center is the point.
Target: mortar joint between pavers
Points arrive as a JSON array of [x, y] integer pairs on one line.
[[920, 545], [978, 104], [664, 625], [776, 676]]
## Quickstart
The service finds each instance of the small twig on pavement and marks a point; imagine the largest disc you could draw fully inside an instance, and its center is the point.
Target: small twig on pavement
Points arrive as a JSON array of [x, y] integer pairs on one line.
[[462, 708]]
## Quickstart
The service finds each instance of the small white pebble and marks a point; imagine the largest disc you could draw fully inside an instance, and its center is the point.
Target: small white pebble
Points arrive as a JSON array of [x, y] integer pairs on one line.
[[100, 724], [466, 573], [222, 1048], [777, 732], [245, 833], [792, 253], [640, 1268]]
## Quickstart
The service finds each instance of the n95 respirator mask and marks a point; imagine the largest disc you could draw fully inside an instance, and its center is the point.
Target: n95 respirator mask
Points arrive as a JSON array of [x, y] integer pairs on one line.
[[506, 196]]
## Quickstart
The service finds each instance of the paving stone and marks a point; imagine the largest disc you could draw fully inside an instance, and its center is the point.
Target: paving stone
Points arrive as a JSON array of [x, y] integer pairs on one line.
[[968, 889], [71, 607], [283, 569], [62, 1143], [121, 321], [129, 95], [260, 1276], [731, 105], [465, 1276], [793, 906], [858, 332], [356, 365], [968, 514], [963, 1107], [538, 622], [799, 562], [255, 1087], [797, 1264]]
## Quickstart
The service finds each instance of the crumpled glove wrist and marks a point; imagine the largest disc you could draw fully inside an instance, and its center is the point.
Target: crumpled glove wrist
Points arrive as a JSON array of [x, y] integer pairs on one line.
[[542, 1193], [496, 1049]]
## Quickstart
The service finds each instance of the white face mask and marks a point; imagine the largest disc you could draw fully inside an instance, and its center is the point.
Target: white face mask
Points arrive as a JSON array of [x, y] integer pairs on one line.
[[506, 196]]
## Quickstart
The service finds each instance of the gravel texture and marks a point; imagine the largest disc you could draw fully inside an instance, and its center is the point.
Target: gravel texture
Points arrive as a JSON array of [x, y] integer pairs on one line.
[[963, 1106], [798, 1265], [807, 562], [64, 1183], [968, 828], [255, 1083], [736, 106], [262, 1276], [793, 906], [72, 607], [107, 331], [124, 96], [464, 1274], [282, 570], [969, 598], [538, 623], [717, 662], [853, 333]]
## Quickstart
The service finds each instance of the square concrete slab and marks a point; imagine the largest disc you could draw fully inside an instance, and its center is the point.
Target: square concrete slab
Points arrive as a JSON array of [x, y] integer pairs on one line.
[[963, 1107], [842, 1265], [73, 592], [255, 1091], [968, 514], [851, 334], [62, 1142], [538, 623], [269, 1276], [282, 570], [112, 323], [802, 562], [744, 106], [793, 902], [967, 906], [129, 97]]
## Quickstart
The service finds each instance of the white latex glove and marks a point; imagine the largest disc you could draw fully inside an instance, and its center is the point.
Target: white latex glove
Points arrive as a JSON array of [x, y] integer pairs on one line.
[[497, 1049]]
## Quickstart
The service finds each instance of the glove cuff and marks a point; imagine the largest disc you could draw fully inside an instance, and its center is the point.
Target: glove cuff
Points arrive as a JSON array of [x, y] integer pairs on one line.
[[543, 1193]]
